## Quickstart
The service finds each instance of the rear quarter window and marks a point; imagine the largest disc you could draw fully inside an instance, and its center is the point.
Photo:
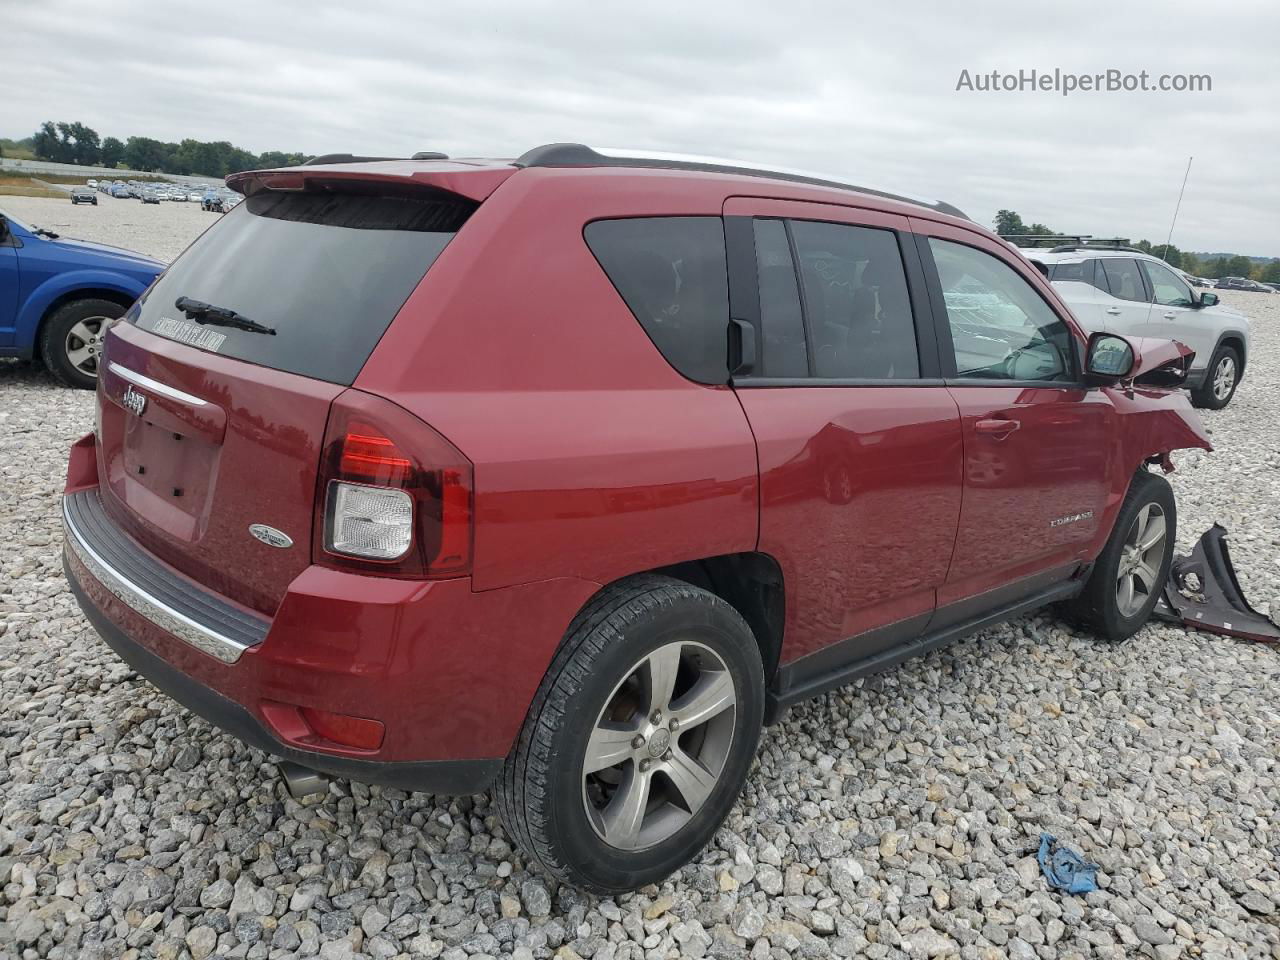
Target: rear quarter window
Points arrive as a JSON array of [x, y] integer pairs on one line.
[[672, 274], [326, 271]]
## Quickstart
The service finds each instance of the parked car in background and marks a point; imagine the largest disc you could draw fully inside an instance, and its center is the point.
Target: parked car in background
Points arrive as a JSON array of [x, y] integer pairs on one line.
[[431, 583], [195, 196], [178, 194], [150, 195], [91, 184], [1243, 283], [83, 195], [1134, 294], [57, 296], [121, 191]]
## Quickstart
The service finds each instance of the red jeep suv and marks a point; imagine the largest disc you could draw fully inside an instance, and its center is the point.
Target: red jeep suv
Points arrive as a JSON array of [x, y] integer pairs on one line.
[[562, 476]]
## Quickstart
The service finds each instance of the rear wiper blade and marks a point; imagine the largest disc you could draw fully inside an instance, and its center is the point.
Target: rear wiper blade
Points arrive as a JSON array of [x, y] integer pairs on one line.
[[203, 313], [42, 232]]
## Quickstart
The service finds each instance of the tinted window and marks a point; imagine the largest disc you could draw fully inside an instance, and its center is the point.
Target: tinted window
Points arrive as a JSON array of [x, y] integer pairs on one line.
[[856, 302], [327, 272], [1123, 279], [784, 352], [1000, 327], [671, 272], [1170, 289], [1083, 271]]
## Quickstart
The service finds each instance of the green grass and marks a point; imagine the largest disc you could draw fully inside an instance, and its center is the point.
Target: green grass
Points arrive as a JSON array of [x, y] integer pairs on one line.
[[21, 176], [24, 187]]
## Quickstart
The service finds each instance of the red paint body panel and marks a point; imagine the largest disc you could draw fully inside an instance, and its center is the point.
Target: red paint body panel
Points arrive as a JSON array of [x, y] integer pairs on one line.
[[1055, 463], [439, 664], [248, 455], [840, 469], [82, 465], [593, 460], [593, 457], [1150, 354]]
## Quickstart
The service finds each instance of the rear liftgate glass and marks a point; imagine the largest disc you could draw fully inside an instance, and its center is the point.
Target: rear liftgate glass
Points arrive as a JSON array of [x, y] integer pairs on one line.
[[304, 282]]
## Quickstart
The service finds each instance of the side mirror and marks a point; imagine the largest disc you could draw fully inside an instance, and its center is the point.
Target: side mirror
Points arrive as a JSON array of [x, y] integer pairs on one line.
[[1208, 299], [1110, 358]]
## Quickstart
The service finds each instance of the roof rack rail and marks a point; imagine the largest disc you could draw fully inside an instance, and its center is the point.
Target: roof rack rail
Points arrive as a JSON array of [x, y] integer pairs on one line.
[[352, 158], [1081, 241], [580, 155]]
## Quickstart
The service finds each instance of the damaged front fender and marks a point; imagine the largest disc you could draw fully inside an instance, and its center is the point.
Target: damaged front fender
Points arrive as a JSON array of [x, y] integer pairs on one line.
[[1160, 362], [1154, 422]]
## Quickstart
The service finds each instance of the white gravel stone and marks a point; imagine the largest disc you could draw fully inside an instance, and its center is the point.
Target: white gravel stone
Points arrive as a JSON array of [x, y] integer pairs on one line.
[[898, 810]]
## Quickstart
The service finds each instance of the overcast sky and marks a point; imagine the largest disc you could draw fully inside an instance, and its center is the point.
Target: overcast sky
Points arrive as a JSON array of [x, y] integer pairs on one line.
[[864, 91]]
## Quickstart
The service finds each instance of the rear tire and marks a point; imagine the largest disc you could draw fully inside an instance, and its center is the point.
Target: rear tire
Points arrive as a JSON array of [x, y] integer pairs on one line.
[[596, 705], [71, 340], [1132, 555], [1220, 380]]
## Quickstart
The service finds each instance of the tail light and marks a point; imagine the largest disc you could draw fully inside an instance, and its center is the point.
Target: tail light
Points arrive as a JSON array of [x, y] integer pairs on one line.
[[394, 496]]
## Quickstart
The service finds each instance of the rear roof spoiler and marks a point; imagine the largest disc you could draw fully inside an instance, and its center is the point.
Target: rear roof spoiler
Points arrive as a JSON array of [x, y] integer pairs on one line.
[[329, 158]]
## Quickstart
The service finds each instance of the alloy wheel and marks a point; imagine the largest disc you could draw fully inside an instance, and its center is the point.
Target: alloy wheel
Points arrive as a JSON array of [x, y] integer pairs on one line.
[[1141, 558], [1224, 378], [659, 746], [84, 344]]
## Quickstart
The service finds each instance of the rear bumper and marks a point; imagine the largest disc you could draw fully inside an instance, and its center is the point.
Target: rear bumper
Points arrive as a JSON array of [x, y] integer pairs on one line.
[[449, 671], [457, 777]]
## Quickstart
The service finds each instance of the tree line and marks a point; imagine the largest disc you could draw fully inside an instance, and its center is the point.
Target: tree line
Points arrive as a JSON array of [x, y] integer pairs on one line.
[[61, 142], [1008, 223]]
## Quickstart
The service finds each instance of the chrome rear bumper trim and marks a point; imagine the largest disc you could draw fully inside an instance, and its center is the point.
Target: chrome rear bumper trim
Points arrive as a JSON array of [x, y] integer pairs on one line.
[[189, 631]]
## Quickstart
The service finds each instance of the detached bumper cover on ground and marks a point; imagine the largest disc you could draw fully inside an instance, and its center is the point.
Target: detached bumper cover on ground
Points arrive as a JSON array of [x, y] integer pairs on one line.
[[1204, 592]]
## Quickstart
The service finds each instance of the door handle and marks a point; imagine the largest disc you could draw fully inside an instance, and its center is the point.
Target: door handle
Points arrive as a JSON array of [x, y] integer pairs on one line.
[[1114, 311], [1170, 316], [997, 429]]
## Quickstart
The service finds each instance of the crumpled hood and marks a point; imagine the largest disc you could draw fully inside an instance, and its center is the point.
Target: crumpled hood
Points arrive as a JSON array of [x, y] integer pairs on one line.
[[1152, 353]]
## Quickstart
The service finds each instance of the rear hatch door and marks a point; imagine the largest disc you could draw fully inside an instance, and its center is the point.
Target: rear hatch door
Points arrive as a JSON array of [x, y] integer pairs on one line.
[[216, 387]]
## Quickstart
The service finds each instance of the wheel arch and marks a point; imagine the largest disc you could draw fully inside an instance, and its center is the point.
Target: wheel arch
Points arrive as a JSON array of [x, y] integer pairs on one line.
[[115, 295], [1236, 340], [751, 583]]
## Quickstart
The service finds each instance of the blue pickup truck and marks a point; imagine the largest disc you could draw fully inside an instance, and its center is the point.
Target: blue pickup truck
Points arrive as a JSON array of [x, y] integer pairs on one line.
[[57, 294]]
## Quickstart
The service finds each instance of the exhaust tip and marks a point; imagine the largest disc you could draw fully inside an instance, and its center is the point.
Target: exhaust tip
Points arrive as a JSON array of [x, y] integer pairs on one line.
[[301, 781]]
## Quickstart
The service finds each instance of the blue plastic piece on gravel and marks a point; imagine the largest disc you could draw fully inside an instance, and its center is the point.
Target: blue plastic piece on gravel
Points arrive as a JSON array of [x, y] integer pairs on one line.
[[1064, 868]]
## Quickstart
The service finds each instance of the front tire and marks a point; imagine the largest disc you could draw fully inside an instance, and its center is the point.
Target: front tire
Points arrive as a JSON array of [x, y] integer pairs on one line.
[[1132, 569], [1220, 380], [71, 340], [639, 738]]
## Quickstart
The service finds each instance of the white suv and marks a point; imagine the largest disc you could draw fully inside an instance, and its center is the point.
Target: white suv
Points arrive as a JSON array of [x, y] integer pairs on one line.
[[1131, 293]]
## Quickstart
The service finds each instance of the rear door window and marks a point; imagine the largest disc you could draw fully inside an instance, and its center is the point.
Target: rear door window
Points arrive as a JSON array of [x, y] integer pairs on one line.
[[327, 272], [781, 319], [855, 299], [671, 272], [1081, 271], [1124, 279]]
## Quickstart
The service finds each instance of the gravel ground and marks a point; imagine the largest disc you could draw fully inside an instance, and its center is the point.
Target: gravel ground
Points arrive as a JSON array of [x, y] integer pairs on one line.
[[893, 818]]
